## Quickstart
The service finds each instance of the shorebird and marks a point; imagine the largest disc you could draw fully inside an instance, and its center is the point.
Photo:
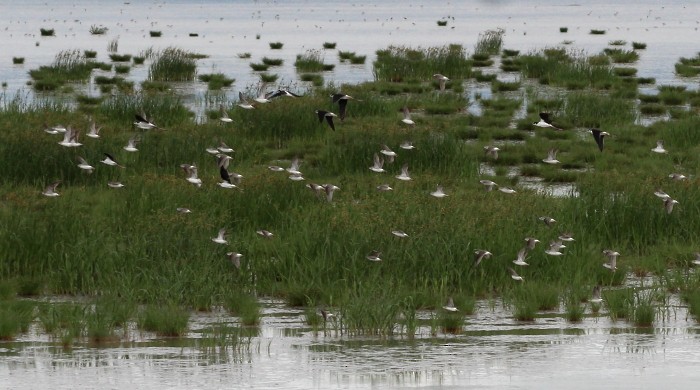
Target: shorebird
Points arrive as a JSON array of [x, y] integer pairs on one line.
[[192, 175], [328, 116], [531, 242], [342, 100], [514, 275], [111, 161], [596, 296], [70, 138], [275, 168], [243, 102], [407, 117], [659, 147], [407, 145], [507, 190], [598, 137], [378, 164], [54, 129], [387, 151], [94, 130], [83, 164], [263, 98], [131, 145], [326, 315], [479, 255], [221, 237], [115, 184], [488, 185], [404, 173], [399, 233], [661, 194], [223, 160], [264, 233], [677, 176], [384, 187], [296, 177], [668, 204], [553, 250], [50, 190], [212, 150], [491, 151], [697, 258], [566, 237], [439, 192], [545, 121], [450, 306], [316, 188], [520, 260], [225, 179], [183, 210], [374, 256], [144, 123], [294, 168], [224, 115], [612, 259], [330, 189], [442, 80], [548, 220], [551, 157], [281, 92], [235, 258], [223, 148]]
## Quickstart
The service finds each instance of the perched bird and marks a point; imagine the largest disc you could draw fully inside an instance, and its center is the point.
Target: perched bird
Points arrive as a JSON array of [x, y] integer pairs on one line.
[[143, 123], [131, 144], [111, 161], [596, 296], [491, 151], [82, 164], [439, 192], [235, 258], [450, 306], [264, 233], [378, 164], [545, 121], [374, 256], [548, 220], [612, 259], [50, 190], [659, 147], [328, 116], [243, 102], [224, 118], [598, 137], [115, 184], [384, 187], [399, 233], [488, 185], [479, 255], [531, 242], [514, 275], [221, 237], [668, 204], [522, 255], [442, 80], [407, 117], [342, 100], [94, 131], [404, 173], [551, 157]]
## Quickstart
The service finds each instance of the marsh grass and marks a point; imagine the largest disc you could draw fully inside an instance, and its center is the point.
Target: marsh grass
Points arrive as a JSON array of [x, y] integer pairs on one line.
[[314, 78], [621, 56], [276, 45], [619, 303], [98, 30], [259, 67], [489, 42], [245, 306], [47, 32], [311, 61], [597, 32], [451, 322], [268, 77], [68, 66], [216, 80], [329, 45], [18, 60], [442, 23], [122, 69], [155, 34], [673, 94], [563, 29], [245, 55], [172, 64], [113, 45], [166, 320], [639, 45], [272, 61], [120, 57], [400, 63], [574, 310], [90, 54], [558, 68], [617, 42]]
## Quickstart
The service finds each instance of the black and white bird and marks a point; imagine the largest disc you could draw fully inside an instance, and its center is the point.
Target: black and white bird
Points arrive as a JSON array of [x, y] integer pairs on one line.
[[374, 255], [328, 116], [551, 157], [223, 117], [598, 136], [225, 179], [281, 93], [545, 121], [143, 122], [342, 100], [514, 275], [111, 161]]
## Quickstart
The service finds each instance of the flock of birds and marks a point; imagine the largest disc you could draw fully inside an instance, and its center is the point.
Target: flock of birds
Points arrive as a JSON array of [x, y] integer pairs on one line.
[[231, 180]]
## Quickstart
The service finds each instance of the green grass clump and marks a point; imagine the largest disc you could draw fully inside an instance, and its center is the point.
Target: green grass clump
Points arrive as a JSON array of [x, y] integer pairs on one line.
[[673, 95], [489, 42], [558, 68], [155, 34], [272, 61], [90, 54], [501, 86], [98, 30], [329, 45], [122, 69], [15, 317], [617, 42], [259, 67], [8, 289], [276, 45], [442, 23], [268, 77], [167, 320], [345, 55], [120, 57], [315, 78], [172, 64], [47, 32], [88, 100], [574, 310], [652, 109], [244, 56], [625, 72], [621, 56], [68, 66], [311, 61], [138, 60], [619, 302], [597, 32], [399, 63], [510, 53], [216, 80], [18, 60], [563, 29], [693, 299], [244, 306], [639, 45], [358, 60]]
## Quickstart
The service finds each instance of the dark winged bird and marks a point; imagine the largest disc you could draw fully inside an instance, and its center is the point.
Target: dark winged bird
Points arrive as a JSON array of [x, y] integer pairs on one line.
[[342, 100], [545, 121], [329, 117], [598, 137]]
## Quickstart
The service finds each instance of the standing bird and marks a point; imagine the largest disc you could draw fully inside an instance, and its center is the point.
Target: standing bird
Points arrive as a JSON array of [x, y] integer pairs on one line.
[[329, 117], [442, 80], [598, 137], [342, 100], [545, 121], [407, 117]]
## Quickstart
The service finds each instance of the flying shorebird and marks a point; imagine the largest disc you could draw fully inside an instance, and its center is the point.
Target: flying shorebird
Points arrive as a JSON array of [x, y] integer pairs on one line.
[[223, 148], [387, 151], [567, 237], [224, 118], [596, 296], [374, 256], [491, 151], [243, 102], [294, 168], [488, 184], [316, 188], [70, 138], [212, 150], [192, 174], [531, 242], [264, 233], [183, 210], [404, 173], [111, 161], [554, 248], [659, 147], [378, 164], [697, 259], [330, 189], [83, 164], [131, 145], [514, 275], [551, 157], [548, 220], [327, 315], [677, 176], [407, 117], [50, 190], [661, 194], [384, 187], [263, 98], [507, 190], [94, 130], [439, 192], [144, 123], [407, 145], [342, 100], [115, 184], [522, 255], [545, 121], [275, 168], [442, 80], [281, 93], [296, 177], [668, 204], [450, 306], [612, 259], [598, 137], [223, 160], [225, 179], [221, 237], [399, 233], [329, 117], [235, 258], [479, 255], [54, 129]]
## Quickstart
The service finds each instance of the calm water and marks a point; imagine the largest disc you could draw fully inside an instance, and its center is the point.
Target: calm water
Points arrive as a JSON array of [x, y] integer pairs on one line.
[[493, 350]]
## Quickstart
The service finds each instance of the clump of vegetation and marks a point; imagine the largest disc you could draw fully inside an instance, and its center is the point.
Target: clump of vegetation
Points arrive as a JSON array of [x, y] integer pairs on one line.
[[639, 45], [90, 54], [272, 61], [276, 45], [138, 60], [18, 60], [155, 34], [68, 66], [244, 56], [617, 42], [442, 23], [399, 63], [563, 29], [315, 78], [47, 32], [329, 45], [120, 57], [172, 64], [490, 42], [621, 56], [98, 30], [268, 78], [311, 61], [165, 320], [216, 80], [597, 32], [259, 67], [113, 45]]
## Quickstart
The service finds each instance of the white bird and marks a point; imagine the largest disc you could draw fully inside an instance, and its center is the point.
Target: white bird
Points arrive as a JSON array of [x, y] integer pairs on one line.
[[224, 115], [131, 144], [531, 242], [387, 151], [668, 204], [221, 237], [70, 138], [330, 190], [264, 233], [612, 259], [488, 184], [554, 249], [384, 187], [115, 184], [491, 151], [223, 160], [143, 123], [439, 192], [83, 164], [659, 147], [262, 97], [399, 233], [378, 164], [677, 176], [407, 117], [697, 258], [442, 80], [522, 255], [54, 129], [566, 237], [294, 168], [50, 190], [596, 296], [551, 157], [481, 254], [316, 188], [407, 145], [514, 275], [223, 148], [374, 256], [507, 190], [661, 194], [183, 210], [111, 161], [545, 121], [275, 168], [235, 258], [548, 220], [94, 131], [243, 102], [294, 177], [404, 173], [450, 306], [192, 174]]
